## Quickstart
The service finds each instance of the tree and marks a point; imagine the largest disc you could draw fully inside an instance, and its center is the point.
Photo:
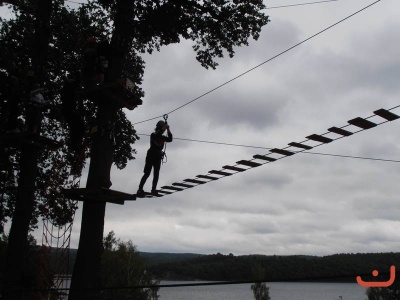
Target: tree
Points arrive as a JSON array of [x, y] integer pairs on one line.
[[141, 26], [260, 291], [121, 266], [390, 293], [31, 180]]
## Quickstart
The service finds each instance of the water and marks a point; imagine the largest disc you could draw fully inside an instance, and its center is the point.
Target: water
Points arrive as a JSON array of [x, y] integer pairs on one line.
[[277, 291]]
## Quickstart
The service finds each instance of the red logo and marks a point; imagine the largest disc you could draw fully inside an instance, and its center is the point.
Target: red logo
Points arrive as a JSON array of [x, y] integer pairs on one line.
[[378, 283]]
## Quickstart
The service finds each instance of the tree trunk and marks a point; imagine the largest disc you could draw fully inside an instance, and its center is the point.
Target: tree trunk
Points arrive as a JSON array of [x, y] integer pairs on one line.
[[84, 277], [25, 201], [17, 242], [92, 227]]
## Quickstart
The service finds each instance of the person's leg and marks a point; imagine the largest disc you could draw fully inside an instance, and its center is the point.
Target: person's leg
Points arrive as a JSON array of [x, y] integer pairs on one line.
[[156, 173], [147, 171]]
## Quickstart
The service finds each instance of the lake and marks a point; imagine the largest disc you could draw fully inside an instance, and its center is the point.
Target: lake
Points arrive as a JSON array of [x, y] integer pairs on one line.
[[277, 291]]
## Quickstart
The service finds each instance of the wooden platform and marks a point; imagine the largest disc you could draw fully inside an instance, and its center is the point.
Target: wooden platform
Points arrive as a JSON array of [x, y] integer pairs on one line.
[[27, 138], [98, 195], [150, 195], [121, 92]]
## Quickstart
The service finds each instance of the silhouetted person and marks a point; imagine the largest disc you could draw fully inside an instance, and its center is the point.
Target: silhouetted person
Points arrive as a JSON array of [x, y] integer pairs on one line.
[[35, 109], [69, 108], [155, 155], [95, 61]]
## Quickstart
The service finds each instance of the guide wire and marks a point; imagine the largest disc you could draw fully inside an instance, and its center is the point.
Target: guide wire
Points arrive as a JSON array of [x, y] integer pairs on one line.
[[267, 148], [300, 4]]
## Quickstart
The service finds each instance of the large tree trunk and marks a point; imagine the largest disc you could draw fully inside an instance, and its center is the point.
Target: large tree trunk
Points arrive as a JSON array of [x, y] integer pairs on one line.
[[25, 201], [84, 277], [17, 242], [92, 227]]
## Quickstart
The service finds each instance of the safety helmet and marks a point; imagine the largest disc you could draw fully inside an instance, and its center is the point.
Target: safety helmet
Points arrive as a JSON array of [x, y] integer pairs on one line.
[[160, 124]]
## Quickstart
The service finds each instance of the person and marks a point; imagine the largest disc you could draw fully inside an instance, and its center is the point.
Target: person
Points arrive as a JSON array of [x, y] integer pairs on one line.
[[70, 106], [35, 109], [155, 155]]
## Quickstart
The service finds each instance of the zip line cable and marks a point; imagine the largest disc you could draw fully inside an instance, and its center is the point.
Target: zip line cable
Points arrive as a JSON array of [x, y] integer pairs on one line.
[[81, 3], [301, 4], [218, 143], [273, 7], [259, 65], [355, 157], [267, 148]]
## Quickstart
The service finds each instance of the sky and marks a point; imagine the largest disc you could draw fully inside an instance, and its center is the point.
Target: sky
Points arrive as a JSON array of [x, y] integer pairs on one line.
[[304, 204]]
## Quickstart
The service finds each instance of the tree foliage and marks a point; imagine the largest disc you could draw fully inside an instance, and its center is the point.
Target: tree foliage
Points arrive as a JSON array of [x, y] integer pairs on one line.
[[260, 291], [122, 267], [215, 27], [69, 31], [390, 293], [219, 267]]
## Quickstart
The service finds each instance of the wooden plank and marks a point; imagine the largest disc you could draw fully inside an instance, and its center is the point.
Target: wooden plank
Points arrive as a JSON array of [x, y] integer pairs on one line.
[[233, 168], [319, 138], [207, 177], [340, 131], [151, 195], [248, 163], [386, 114], [171, 188], [194, 181], [183, 185], [263, 157], [281, 151], [298, 145], [220, 173], [362, 123], [164, 192]]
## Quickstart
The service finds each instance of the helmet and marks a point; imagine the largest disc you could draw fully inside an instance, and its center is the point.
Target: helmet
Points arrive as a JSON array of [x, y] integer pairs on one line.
[[160, 124]]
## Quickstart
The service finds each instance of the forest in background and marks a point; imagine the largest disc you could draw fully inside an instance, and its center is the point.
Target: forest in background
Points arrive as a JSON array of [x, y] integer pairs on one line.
[[337, 267], [219, 267]]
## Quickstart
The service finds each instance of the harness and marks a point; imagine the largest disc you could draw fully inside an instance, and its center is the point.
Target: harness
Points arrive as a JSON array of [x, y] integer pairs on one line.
[[164, 153]]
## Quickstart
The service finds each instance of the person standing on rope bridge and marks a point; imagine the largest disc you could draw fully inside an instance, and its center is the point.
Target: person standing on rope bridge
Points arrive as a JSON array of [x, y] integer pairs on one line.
[[155, 155]]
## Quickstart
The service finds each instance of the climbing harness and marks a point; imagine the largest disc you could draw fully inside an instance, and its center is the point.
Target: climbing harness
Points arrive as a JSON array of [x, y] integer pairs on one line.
[[164, 153]]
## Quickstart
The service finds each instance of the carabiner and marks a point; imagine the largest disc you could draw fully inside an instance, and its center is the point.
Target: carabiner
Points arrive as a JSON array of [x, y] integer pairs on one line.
[[165, 117]]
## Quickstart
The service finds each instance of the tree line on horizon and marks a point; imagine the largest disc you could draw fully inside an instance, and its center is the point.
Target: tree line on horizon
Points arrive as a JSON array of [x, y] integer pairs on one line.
[[219, 267]]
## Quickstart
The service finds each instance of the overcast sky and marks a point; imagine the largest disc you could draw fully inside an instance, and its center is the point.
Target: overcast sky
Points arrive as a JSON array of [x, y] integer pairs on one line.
[[304, 204]]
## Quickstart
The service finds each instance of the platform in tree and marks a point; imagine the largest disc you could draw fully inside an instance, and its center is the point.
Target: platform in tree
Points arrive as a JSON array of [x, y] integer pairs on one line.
[[121, 91], [98, 195], [17, 139]]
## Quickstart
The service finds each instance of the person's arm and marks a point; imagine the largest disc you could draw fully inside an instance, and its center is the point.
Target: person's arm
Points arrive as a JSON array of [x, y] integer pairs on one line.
[[169, 135]]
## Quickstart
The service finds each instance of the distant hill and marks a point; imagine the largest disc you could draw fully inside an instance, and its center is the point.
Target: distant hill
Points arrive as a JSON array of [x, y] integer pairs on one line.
[[338, 267], [219, 267], [151, 259]]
